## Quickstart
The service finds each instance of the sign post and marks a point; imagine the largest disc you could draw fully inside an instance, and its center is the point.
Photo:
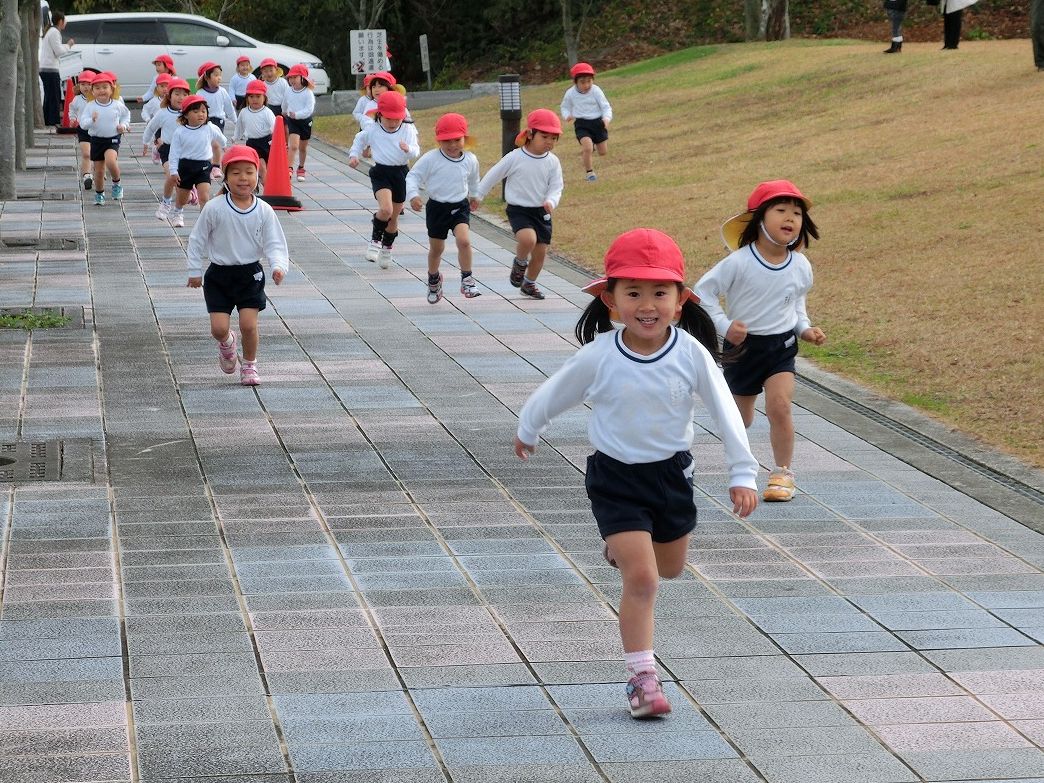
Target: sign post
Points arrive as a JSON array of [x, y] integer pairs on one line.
[[425, 62], [367, 48]]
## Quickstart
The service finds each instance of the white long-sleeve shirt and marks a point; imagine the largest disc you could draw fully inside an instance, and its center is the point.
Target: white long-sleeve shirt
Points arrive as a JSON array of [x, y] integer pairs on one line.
[[219, 104], [446, 179], [359, 112], [151, 91], [166, 122], [642, 407], [51, 49], [76, 107], [237, 84], [590, 105], [254, 124], [531, 179], [299, 104], [111, 117], [768, 298], [230, 236], [384, 144], [194, 143], [277, 91], [151, 107]]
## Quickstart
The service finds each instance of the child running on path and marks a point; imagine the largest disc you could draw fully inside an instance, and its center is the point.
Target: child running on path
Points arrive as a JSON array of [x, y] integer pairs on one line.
[[276, 84], [193, 147], [152, 105], [235, 231], [159, 134], [393, 144], [240, 80], [533, 190], [83, 138], [450, 175], [765, 282], [641, 383], [585, 105], [255, 125], [164, 64], [298, 109], [220, 108], [106, 119]]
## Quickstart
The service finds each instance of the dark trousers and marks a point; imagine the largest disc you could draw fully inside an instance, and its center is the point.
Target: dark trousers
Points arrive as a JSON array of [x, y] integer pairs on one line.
[[1037, 31], [952, 29], [53, 101]]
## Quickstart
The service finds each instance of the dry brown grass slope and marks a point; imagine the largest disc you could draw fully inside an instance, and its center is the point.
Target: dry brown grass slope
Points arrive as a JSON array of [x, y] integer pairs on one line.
[[927, 173]]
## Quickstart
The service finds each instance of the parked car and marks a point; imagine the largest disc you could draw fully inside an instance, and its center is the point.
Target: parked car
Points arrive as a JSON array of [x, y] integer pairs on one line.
[[126, 44]]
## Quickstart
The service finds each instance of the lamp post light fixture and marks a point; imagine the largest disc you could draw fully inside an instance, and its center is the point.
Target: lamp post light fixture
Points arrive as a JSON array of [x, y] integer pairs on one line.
[[510, 88]]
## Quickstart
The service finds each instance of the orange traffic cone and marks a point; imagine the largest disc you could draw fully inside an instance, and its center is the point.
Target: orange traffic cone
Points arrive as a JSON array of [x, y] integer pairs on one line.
[[277, 182], [70, 93]]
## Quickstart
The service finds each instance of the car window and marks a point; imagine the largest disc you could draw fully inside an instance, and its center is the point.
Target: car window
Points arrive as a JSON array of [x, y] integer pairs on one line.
[[138, 32], [83, 32], [182, 33]]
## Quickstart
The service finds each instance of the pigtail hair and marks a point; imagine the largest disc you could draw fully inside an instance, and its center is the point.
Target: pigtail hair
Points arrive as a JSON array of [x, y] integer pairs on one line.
[[593, 321], [695, 320]]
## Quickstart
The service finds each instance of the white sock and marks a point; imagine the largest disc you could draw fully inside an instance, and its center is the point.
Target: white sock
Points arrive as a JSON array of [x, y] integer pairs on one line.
[[641, 661]]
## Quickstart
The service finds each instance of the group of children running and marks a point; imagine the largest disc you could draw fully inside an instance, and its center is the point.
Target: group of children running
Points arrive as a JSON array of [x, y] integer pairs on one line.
[[650, 345]]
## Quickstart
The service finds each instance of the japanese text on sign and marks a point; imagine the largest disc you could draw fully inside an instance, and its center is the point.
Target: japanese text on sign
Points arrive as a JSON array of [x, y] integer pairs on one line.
[[368, 49]]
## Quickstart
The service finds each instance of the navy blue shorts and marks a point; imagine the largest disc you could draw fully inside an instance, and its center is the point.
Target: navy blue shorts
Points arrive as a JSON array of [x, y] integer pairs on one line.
[[193, 172], [226, 288], [595, 130], [99, 146], [441, 218], [277, 109], [164, 152], [391, 178], [530, 217], [262, 146], [302, 128], [82, 136], [653, 496], [763, 355], [219, 121]]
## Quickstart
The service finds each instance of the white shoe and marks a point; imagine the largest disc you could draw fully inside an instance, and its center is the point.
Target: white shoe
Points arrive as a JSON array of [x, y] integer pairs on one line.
[[177, 218], [162, 211], [384, 257], [373, 250]]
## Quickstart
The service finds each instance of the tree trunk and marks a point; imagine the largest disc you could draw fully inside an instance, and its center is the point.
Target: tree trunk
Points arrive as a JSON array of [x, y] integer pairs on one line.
[[572, 45], [19, 102], [10, 35], [767, 20], [751, 19], [26, 61], [34, 53]]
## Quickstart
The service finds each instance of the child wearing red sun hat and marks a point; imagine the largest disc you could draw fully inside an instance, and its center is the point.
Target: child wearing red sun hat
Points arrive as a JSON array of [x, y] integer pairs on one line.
[[585, 105]]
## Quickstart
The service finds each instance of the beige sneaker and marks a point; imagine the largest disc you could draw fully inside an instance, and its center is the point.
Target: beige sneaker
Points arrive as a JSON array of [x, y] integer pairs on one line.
[[780, 486]]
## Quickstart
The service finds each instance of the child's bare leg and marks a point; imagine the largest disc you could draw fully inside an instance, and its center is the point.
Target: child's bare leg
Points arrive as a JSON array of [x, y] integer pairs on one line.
[[536, 260], [435, 249], [746, 407], [635, 557], [248, 329], [525, 241], [295, 143], [203, 191], [603, 148], [181, 199], [462, 234], [99, 176], [779, 391], [112, 163], [586, 152], [168, 183], [303, 152], [262, 172], [219, 326], [384, 205], [85, 158]]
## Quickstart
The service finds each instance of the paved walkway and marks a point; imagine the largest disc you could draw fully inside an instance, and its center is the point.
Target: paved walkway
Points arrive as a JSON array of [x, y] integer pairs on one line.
[[345, 574]]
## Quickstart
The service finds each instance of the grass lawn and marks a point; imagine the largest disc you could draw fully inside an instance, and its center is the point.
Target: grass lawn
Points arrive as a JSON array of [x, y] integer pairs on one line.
[[926, 171]]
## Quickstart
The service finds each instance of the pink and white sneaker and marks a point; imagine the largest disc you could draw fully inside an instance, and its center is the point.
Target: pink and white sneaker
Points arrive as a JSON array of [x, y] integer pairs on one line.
[[248, 375], [645, 694], [227, 354]]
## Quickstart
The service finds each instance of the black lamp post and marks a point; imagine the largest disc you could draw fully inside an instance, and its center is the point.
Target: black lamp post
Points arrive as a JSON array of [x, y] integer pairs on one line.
[[510, 112]]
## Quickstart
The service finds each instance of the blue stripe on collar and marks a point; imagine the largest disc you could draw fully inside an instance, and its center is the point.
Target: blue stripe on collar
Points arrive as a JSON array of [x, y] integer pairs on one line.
[[671, 342]]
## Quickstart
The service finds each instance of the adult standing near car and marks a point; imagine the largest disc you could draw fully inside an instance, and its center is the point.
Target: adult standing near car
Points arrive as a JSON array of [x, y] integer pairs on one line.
[[896, 11], [51, 49], [953, 11]]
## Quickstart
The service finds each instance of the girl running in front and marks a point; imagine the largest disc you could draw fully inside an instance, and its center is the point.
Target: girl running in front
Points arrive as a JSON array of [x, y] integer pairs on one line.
[[83, 138], [256, 124], [765, 282], [585, 105], [393, 143], [641, 383], [220, 108], [450, 175], [196, 142], [533, 190], [159, 134], [276, 84], [299, 107], [240, 79], [234, 232], [106, 119]]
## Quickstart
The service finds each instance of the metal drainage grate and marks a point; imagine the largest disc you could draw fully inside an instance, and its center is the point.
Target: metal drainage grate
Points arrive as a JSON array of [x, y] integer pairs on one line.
[[45, 195], [43, 243], [31, 461]]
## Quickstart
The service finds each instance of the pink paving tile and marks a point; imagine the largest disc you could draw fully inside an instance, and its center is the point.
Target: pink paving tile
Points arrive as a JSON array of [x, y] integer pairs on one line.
[[959, 566], [1034, 729], [1017, 706], [1015, 681], [891, 686], [992, 735]]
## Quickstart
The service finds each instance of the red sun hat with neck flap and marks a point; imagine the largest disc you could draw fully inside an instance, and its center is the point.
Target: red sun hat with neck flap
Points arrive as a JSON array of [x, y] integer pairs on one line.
[[239, 153], [732, 229], [209, 65], [256, 87], [643, 254], [165, 79], [166, 59], [192, 100], [105, 76], [451, 126], [267, 62], [391, 105], [581, 69], [384, 76], [178, 84], [540, 120]]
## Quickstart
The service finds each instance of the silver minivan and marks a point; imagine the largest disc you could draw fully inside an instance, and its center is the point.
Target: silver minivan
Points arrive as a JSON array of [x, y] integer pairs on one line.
[[127, 43]]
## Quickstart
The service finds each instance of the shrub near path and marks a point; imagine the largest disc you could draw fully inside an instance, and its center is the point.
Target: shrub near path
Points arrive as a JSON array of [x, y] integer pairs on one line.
[[926, 170]]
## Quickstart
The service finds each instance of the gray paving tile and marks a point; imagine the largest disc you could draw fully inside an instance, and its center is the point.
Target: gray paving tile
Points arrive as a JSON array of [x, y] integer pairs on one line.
[[397, 755], [717, 770], [530, 773], [977, 764], [849, 768], [504, 751]]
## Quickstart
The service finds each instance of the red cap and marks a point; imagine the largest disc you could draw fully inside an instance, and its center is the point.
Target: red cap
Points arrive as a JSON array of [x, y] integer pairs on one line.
[[164, 79], [86, 77], [450, 126], [268, 61], [391, 105], [192, 100], [237, 153], [540, 120], [242, 59], [178, 84], [166, 59], [643, 254], [581, 69], [732, 229], [209, 65], [104, 76], [298, 70], [256, 87], [384, 76]]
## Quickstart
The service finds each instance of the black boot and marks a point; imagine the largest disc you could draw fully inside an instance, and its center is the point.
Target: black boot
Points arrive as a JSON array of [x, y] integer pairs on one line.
[[895, 48]]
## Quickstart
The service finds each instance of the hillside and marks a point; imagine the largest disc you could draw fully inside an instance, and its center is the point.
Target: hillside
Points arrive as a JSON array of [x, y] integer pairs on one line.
[[926, 171]]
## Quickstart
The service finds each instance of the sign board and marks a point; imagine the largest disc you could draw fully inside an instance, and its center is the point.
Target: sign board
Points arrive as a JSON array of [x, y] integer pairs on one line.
[[70, 64], [368, 48], [425, 63]]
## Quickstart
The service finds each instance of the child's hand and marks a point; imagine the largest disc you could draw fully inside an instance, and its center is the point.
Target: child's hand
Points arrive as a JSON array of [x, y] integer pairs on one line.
[[353, 163], [278, 275], [292, 115], [737, 332], [404, 146], [195, 282], [549, 207], [94, 116], [569, 118], [176, 178], [814, 335], [415, 204], [144, 151], [523, 450], [473, 204], [744, 501]]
